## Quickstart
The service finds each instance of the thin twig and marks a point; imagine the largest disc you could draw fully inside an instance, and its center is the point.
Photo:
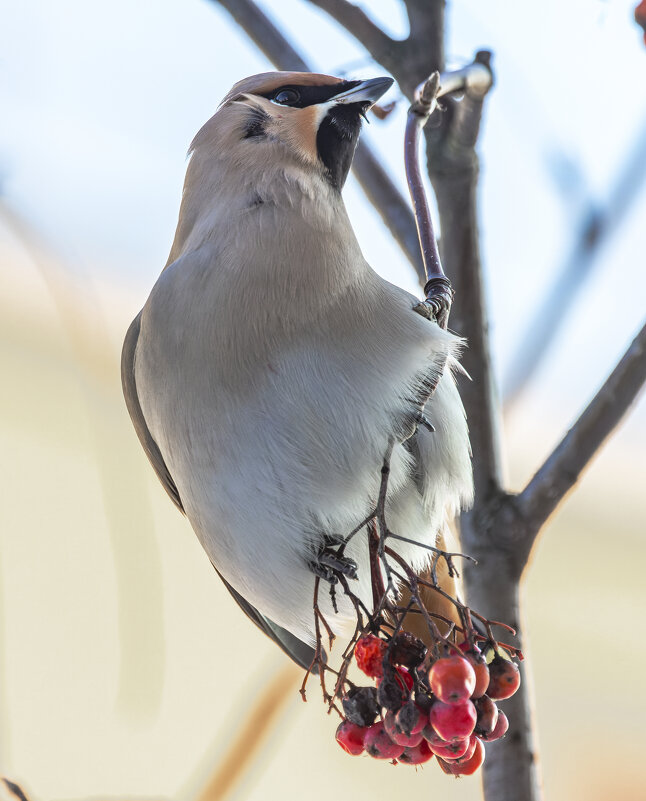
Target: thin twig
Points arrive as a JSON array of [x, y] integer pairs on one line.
[[418, 113]]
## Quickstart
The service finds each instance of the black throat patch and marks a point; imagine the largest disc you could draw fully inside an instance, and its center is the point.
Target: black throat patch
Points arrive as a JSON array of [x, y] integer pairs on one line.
[[336, 140]]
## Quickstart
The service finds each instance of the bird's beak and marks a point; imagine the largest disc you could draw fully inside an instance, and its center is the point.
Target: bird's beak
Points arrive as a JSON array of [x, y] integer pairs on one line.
[[365, 92]]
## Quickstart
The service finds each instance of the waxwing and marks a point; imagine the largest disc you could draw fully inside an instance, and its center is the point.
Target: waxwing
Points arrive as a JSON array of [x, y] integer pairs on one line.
[[271, 366]]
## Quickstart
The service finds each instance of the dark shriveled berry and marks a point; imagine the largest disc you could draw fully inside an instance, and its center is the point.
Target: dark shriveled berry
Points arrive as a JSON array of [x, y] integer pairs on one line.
[[410, 719], [394, 688], [408, 650], [389, 694], [360, 705]]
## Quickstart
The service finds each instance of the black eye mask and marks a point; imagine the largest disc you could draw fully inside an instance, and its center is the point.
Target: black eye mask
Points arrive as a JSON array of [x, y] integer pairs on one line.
[[310, 95]]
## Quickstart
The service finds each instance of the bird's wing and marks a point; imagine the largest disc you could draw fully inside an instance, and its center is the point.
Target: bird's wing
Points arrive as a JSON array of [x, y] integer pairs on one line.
[[137, 416], [299, 651]]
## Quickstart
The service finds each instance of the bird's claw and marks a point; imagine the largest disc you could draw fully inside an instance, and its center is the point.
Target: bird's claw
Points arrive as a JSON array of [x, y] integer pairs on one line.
[[326, 573], [328, 565], [339, 564], [413, 422], [439, 297]]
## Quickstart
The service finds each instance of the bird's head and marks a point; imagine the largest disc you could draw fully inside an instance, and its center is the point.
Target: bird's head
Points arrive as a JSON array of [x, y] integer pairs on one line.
[[300, 117]]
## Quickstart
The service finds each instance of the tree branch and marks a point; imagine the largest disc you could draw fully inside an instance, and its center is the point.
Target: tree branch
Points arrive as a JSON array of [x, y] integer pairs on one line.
[[409, 61], [453, 169], [426, 20], [562, 469], [380, 190]]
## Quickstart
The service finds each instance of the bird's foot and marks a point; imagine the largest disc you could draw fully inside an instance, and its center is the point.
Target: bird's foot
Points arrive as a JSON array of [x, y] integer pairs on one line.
[[329, 564], [439, 297], [412, 422]]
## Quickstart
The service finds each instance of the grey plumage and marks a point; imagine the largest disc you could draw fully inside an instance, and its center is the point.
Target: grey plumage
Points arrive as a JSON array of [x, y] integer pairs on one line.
[[271, 366], [301, 653]]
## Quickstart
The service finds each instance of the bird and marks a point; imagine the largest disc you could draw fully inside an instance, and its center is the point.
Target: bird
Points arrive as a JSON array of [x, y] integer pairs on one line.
[[271, 368]]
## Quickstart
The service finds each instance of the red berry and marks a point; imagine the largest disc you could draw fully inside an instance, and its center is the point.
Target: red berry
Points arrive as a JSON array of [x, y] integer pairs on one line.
[[432, 737], [369, 653], [416, 755], [453, 750], [504, 678], [452, 679], [471, 747], [482, 678], [350, 737], [405, 726], [465, 767], [500, 729], [379, 745], [453, 721], [487, 715], [474, 655], [411, 718], [404, 677]]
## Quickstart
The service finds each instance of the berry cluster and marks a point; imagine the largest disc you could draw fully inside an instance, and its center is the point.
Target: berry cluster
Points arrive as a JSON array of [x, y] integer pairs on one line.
[[426, 703]]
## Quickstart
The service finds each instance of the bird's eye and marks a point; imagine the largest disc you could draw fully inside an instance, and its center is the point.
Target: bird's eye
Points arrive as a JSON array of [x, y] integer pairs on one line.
[[287, 97]]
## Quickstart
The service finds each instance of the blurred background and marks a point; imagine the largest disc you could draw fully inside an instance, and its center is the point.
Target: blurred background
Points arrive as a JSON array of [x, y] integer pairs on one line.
[[125, 668]]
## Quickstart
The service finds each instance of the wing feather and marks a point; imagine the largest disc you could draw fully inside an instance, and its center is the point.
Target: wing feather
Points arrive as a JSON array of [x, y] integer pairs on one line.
[[299, 651]]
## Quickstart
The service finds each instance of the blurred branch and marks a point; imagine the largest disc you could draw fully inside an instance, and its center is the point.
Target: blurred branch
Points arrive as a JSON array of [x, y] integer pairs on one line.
[[10, 791], [242, 750], [595, 227], [562, 469], [425, 42], [379, 188]]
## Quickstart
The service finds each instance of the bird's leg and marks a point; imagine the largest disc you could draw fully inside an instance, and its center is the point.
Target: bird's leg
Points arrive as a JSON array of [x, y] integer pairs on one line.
[[439, 297], [328, 563]]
